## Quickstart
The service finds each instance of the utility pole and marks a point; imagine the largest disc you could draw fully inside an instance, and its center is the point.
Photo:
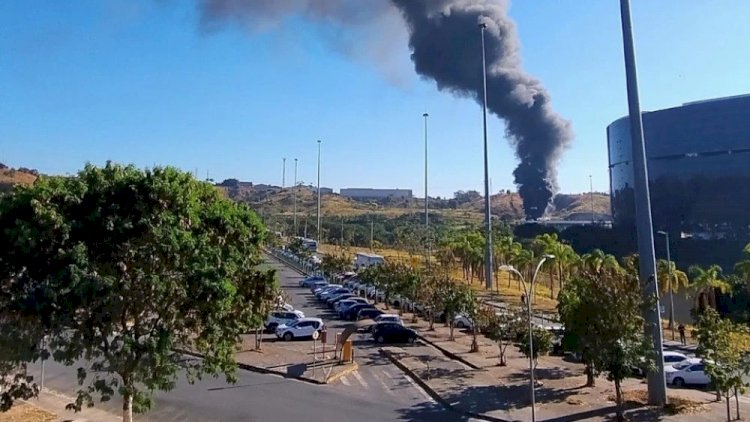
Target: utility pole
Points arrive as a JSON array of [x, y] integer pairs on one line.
[[294, 194], [319, 192], [591, 189], [487, 206], [283, 173], [657, 388]]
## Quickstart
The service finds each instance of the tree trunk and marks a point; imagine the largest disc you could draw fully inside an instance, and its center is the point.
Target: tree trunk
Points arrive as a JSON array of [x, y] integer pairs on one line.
[[502, 353], [618, 403], [127, 408], [589, 371], [729, 416], [509, 279], [432, 321], [551, 282], [474, 343], [737, 402], [450, 327]]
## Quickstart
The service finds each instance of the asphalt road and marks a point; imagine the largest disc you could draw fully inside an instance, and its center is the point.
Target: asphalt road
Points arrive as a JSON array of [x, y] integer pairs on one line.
[[377, 392]]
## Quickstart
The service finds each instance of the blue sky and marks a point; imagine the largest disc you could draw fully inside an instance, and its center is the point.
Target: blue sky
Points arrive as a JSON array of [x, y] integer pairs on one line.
[[138, 81]]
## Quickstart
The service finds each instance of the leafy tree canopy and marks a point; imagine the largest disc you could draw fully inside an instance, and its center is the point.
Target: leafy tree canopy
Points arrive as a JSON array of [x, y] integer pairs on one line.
[[117, 267]]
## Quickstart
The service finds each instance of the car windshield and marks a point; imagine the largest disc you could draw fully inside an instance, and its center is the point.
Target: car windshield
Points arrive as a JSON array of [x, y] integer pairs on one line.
[[682, 365]]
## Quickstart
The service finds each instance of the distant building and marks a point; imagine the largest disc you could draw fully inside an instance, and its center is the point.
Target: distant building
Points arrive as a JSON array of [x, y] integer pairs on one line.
[[698, 168], [325, 191], [368, 193]]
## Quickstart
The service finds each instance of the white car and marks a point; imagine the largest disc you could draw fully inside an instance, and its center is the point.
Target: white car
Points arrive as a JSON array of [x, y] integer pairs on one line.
[[393, 318], [346, 303], [688, 372], [670, 358], [280, 317], [462, 321], [303, 327]]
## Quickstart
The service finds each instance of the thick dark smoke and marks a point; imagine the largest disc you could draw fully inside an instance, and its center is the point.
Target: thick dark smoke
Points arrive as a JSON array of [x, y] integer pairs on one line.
[[445, 41]]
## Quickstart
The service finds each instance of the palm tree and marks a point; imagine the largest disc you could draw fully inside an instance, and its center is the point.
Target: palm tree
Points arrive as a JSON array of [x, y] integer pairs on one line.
[[671, 279], [524, 261], [742, 268], [548, 244], [596, 261], [704, 283]]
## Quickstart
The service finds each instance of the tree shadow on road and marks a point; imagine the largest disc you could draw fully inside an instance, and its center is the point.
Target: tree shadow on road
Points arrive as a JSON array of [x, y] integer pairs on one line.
[[430, 412]]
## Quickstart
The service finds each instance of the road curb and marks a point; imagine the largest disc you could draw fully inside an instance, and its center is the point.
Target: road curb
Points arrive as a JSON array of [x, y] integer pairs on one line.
[[448, 353], [432, 393], [335, 377], [260, 369]]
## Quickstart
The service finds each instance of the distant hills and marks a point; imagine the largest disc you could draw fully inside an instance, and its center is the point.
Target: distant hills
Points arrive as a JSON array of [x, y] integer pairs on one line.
[[507, 205], [272, 200]]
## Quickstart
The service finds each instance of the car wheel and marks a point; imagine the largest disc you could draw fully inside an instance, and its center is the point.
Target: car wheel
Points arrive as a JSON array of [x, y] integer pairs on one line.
[[380, 339], [288, 336], [460, 325], [678, 382]]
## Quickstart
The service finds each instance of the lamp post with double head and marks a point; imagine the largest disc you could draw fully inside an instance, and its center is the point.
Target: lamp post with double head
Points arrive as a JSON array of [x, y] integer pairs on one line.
[[528, 290]]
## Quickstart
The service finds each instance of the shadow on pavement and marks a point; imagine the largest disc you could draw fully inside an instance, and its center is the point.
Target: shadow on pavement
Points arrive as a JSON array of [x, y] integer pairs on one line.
[[430, 412]]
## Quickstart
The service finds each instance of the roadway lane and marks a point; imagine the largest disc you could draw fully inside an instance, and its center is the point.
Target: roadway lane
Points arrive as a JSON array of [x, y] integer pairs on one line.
[[257, 397]]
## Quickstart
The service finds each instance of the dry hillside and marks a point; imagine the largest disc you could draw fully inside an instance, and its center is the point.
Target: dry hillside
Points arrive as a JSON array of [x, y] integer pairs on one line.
[[10, 177]]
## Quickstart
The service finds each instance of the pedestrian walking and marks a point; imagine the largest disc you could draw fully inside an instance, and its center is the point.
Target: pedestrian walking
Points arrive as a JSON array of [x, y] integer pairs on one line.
[[681, 329]]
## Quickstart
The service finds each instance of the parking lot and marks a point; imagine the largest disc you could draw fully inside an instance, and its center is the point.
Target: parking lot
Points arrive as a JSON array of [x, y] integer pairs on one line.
[[377, 378]]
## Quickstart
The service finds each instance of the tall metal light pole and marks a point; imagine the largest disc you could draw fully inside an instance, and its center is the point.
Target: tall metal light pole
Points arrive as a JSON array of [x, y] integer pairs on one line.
[[426, 196], [591, 190], [657, 388], [283, 173], [318, 192], [671, 283], [487, 209], [294, 194], [529, 292]]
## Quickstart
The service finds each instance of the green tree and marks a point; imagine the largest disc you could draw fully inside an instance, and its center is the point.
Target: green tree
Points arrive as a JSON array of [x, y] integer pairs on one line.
[[502, 328], [118, 268], [671, 280], [704, 283], [542, 343], [742, 268], [601, 309], [335, 263], [456, 299], [724, 357]]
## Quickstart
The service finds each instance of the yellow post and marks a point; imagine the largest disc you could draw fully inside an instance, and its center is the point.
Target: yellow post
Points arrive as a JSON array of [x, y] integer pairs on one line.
[[347, 354]]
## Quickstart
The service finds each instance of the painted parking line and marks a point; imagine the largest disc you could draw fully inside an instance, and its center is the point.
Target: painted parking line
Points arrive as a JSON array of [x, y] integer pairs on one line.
[[360, 379]]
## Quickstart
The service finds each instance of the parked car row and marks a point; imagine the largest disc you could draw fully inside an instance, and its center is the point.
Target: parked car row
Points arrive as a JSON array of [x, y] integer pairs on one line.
[[349, 306]]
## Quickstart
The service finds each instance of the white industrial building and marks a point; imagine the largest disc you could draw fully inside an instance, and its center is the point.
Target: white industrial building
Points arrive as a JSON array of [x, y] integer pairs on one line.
[[369, 193]]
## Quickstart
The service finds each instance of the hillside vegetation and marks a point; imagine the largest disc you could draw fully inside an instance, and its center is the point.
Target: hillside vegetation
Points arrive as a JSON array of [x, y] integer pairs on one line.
[[10, 177], [508, 206]]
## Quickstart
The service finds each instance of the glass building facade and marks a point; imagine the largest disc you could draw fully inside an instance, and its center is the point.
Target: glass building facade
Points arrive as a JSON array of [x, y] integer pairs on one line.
[[699, 168]]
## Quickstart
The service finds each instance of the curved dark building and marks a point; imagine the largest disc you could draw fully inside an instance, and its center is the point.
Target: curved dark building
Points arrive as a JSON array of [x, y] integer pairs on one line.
[[699, 168]]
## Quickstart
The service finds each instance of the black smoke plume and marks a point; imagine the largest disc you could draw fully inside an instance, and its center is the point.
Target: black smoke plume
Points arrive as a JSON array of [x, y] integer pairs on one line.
[[444, 37]]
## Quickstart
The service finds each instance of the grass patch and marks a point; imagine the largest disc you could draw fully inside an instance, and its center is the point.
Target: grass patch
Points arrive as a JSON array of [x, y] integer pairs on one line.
[[677, 405], [25, 412]]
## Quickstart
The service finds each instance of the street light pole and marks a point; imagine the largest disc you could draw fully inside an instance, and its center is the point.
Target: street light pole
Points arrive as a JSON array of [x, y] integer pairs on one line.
[[671, 283], [426, 197], [319, 192], [487, 206], [657, 388], [528, 290], [294, 193]]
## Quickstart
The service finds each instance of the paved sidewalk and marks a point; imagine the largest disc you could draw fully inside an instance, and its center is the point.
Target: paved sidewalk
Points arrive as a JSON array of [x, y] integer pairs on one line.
[[496, 393]]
